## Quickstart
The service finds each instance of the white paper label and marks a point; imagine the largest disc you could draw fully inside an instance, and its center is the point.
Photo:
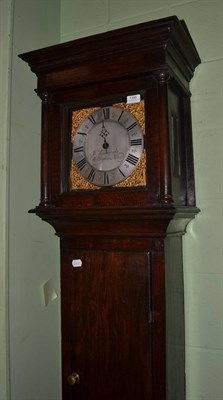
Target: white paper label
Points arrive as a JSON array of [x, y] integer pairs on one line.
[[135, 98], [77, 263]]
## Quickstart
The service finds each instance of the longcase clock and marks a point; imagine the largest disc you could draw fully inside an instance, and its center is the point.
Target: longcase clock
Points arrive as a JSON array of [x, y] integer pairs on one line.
[[117, 184]]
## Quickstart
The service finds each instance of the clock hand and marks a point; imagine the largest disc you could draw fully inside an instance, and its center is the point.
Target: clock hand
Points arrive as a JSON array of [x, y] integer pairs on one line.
[[105, 145], [104, 133]]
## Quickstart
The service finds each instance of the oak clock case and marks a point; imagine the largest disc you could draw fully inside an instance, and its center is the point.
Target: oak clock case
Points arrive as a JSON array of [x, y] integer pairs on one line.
[[117, 185]]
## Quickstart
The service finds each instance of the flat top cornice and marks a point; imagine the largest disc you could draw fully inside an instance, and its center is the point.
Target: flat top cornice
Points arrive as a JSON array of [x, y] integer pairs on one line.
[[164, 35]]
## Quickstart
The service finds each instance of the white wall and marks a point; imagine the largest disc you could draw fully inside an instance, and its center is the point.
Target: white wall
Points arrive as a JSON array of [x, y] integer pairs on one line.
[[33, 248], [203, 249]]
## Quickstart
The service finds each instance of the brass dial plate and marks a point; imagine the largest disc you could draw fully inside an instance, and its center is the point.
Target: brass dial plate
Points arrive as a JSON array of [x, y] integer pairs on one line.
[[137, 178]]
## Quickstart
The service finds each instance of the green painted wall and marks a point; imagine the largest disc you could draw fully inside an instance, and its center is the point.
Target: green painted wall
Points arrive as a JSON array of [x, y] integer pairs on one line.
[[203, 249], [33, 255], [34, 330], [5, 56]]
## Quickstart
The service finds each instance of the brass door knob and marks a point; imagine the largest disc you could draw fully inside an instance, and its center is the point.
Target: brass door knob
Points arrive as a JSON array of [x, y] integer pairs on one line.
[[73, 378]]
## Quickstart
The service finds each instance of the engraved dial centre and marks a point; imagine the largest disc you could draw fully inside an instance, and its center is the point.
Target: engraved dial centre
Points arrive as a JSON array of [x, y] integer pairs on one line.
[[107, 151]]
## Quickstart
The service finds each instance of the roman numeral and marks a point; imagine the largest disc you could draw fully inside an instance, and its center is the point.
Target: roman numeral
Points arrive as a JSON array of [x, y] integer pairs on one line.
[[91, 175], [120, 116], [106, 112], [132, 126], [79, 149], [81, 164], [132, 159], [91, 118], [136, 142], [106, 179], [82, 133], [122, 173]]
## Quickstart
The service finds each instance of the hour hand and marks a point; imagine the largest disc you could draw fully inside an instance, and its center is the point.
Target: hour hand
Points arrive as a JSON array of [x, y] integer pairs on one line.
[[105, 145], [104, 133]]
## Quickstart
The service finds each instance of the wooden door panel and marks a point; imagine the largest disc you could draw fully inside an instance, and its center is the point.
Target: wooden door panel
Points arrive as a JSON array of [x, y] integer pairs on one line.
[[106, 331]]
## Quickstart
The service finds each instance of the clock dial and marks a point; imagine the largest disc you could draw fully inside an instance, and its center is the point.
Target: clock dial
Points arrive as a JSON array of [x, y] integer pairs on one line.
[[108, 146]]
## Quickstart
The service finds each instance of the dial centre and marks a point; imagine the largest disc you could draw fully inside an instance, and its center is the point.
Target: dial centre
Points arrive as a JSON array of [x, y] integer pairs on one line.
[[105, 145]]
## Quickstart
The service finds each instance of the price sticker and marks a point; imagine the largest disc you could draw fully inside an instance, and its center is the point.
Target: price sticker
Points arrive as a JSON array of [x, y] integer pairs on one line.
[[135, 98], [77, 263]]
